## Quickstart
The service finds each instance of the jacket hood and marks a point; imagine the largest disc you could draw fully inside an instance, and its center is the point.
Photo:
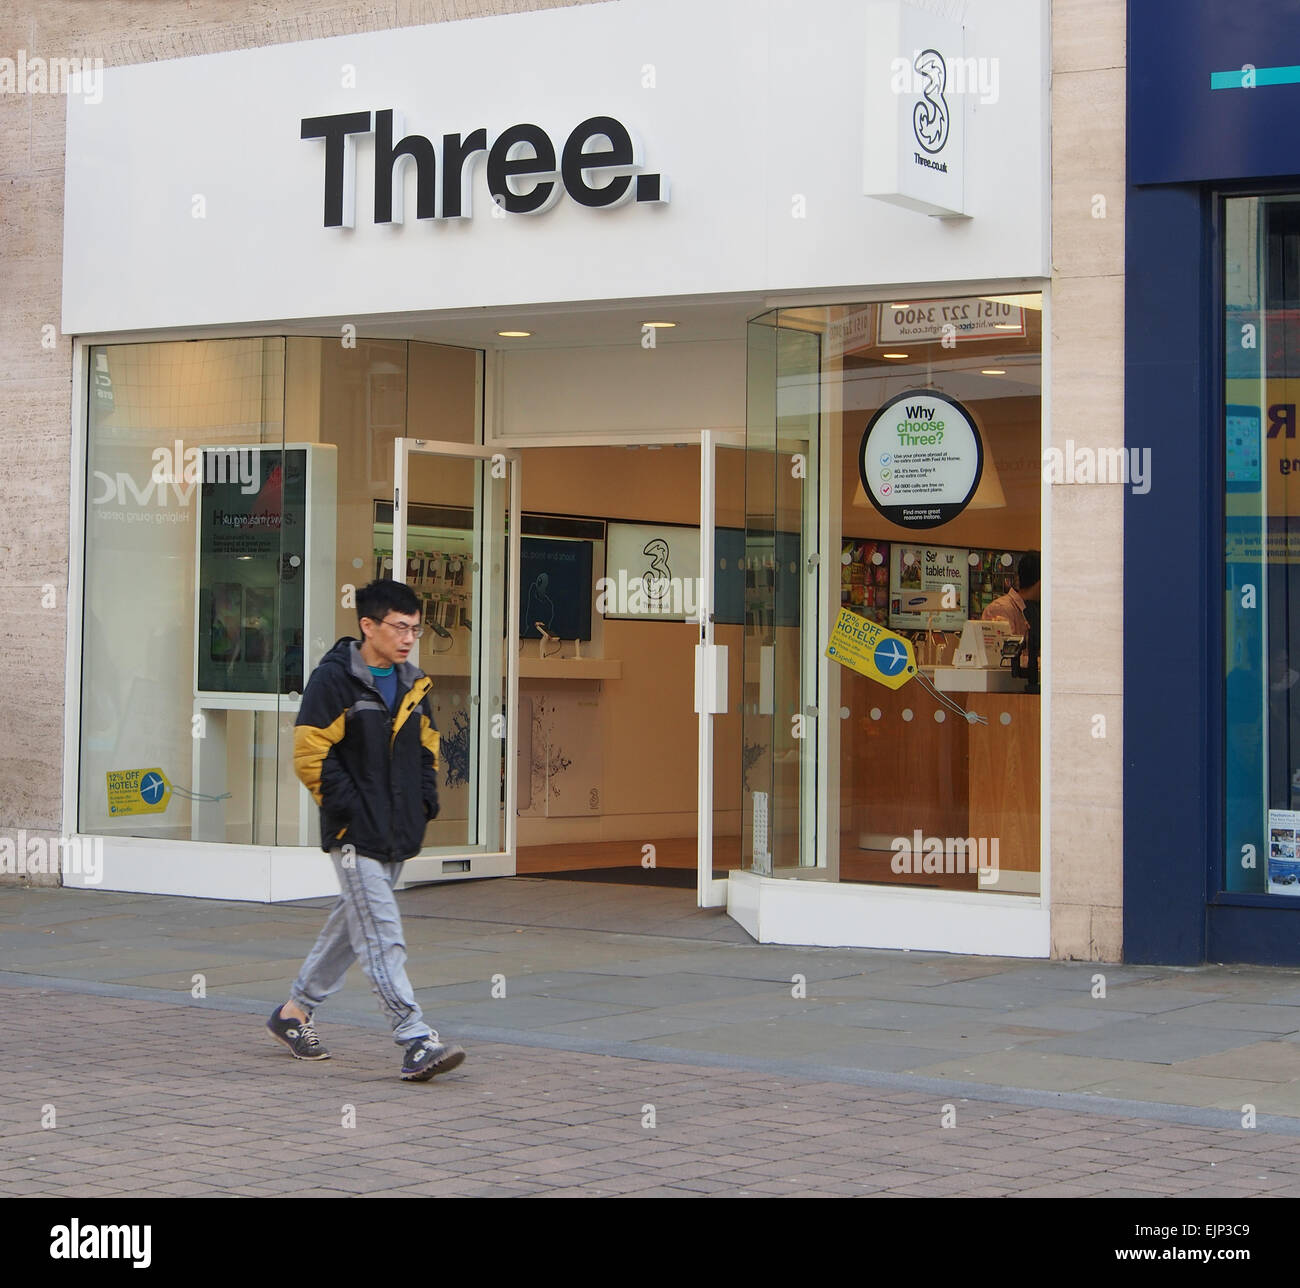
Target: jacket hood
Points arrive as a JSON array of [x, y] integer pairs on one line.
[[346, 653]]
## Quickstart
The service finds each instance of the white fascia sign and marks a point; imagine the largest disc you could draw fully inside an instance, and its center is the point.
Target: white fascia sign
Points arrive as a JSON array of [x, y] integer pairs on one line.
[[918, 88], [599, 166]]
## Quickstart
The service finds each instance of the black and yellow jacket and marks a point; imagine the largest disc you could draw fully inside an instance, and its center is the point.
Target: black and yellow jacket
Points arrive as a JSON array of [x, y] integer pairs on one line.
[[374, 775]]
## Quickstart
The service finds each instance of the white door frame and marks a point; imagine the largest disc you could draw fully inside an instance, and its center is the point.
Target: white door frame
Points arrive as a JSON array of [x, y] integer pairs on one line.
[[469, 862], [710, 893]]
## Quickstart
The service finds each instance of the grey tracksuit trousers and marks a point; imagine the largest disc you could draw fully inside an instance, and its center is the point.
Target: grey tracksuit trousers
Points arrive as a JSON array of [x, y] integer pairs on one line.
[[364, 926]]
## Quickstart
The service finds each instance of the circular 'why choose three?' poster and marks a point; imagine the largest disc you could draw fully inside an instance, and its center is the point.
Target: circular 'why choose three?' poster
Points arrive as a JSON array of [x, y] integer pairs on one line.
[[921, 459]]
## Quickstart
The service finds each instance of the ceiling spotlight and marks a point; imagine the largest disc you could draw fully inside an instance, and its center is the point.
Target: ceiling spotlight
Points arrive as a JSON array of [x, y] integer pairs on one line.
[[659, 324], [993, 371], [513, 334], [893, 355]]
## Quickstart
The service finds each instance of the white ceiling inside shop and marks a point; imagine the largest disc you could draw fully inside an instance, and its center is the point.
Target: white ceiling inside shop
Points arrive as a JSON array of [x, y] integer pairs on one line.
[[571, 326]]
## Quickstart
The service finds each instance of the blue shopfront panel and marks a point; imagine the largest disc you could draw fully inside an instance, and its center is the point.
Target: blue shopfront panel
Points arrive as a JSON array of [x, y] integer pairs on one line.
[[1193, 113], [1187, 139], [1168, 597]]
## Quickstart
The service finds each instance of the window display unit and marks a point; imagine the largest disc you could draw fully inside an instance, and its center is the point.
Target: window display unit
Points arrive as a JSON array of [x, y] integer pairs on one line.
[[264, 611], [927, 588], [557, 558], [992, 575], [439, 550], [865, 569], [265, 567], [864, 579]]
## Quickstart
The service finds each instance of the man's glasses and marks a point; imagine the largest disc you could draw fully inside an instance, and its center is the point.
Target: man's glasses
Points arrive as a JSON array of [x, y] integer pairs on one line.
[[403, 629]]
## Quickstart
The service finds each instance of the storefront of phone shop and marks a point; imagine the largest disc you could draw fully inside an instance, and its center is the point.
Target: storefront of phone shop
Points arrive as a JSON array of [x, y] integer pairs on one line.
[[686, 359]]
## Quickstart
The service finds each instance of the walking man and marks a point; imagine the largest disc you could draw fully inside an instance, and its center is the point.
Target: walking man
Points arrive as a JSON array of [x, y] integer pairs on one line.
[[366, 748]]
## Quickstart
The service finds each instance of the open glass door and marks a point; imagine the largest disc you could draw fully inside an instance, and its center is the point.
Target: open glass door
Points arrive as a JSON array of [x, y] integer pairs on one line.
[[456, 544], [719, 657]]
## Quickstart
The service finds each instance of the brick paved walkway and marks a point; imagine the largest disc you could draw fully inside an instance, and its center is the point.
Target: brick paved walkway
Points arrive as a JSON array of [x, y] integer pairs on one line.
[[170, 1099]]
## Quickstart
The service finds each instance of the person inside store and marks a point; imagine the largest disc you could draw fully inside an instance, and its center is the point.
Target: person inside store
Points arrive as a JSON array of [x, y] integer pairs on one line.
[[1019, 609]]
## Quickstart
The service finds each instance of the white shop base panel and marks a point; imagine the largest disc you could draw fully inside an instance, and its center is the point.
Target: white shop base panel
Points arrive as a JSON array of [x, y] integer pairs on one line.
[[829, 914], [773, 911], [248, 873]]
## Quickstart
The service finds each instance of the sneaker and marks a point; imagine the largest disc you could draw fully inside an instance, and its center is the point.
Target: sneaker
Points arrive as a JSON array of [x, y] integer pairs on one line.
[[298, 1036], [426, 1057]]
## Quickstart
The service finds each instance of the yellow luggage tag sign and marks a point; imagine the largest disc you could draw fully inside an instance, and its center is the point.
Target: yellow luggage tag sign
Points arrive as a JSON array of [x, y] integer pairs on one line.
[[138, 791], [871, 650]]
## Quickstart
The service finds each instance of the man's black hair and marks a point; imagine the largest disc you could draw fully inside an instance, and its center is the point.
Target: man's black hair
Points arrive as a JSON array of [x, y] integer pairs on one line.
[[1029, 571], [385, 596]]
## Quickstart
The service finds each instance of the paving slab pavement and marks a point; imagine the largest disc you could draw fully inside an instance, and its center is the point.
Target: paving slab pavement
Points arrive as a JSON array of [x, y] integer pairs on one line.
[[642, 974], [193, 1100]]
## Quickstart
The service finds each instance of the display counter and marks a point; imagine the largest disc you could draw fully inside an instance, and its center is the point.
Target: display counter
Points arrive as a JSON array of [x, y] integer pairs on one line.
[[971, 679], [906, 771]]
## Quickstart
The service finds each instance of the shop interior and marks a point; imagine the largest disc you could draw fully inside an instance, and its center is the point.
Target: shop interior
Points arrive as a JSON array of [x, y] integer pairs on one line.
[[607, 768]]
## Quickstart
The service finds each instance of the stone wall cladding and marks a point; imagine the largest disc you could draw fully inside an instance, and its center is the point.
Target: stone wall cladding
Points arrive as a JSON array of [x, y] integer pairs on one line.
[[1084, 579]]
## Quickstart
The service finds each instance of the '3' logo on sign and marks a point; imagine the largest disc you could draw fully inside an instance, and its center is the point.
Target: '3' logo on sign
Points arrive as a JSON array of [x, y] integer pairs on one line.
[[930, 115]]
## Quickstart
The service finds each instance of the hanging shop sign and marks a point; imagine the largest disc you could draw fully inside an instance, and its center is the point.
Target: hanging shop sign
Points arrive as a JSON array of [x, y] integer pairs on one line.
[[919, 84], [921, 459], [949, 320], [850, 334]]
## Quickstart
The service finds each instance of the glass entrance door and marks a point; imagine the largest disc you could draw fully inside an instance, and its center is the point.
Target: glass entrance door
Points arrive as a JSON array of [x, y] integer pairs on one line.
[[455, 542]]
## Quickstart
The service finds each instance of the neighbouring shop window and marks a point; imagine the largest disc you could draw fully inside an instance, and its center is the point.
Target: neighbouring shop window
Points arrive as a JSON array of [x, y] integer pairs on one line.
[[1261, 393]]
